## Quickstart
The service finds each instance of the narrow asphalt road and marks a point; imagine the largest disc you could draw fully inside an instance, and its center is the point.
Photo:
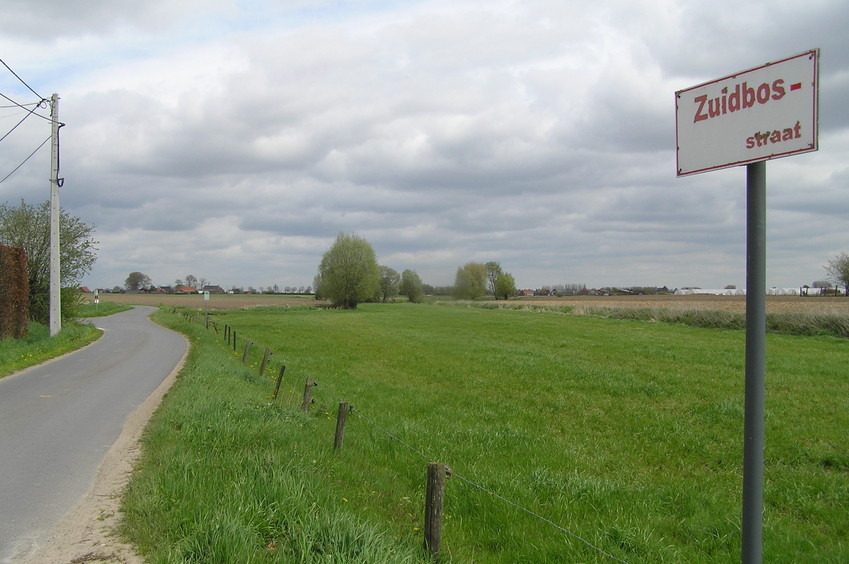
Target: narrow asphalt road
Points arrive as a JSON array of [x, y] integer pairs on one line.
[[58, 420]]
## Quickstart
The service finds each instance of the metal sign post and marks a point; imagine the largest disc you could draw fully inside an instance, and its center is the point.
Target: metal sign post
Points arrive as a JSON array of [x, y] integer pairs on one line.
[[753, 424], [748, 118]]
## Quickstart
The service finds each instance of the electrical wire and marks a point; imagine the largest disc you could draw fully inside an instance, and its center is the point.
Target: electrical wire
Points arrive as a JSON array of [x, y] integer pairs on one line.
[[25, 160], [21, 79], [39, 104], [16, 126], [20, 105]]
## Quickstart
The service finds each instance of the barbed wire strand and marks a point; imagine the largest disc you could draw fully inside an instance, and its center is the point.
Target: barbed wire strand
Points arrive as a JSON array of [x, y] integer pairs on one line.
[[529, 512], [480, 487], [394, 437]]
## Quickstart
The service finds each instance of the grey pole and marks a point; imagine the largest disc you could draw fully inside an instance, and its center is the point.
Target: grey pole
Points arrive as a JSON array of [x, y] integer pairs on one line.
[[753, 426], [55, 277]]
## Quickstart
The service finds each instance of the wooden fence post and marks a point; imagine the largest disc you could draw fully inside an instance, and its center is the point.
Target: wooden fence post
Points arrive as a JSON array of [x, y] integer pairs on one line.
[[234, 340], [248, 344], [305, 406], [279, 379], [265, 360], [436, 472], [341, 418]]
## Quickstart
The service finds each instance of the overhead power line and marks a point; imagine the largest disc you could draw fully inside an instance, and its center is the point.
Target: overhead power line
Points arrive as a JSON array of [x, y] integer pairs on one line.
[[16, 126], [26, 159], [39, 104], [22, 80]]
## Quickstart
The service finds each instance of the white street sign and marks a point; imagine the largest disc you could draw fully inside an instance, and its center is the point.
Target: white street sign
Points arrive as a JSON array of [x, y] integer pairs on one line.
[[764, 113]]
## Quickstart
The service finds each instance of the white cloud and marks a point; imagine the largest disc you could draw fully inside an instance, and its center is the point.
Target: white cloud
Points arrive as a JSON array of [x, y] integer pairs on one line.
[[235, 139]]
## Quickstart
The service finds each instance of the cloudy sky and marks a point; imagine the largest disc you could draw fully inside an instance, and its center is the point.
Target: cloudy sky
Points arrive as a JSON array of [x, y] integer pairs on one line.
[[234, 139]]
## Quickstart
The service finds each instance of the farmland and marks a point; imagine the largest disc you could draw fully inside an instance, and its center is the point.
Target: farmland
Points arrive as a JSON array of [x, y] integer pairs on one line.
[[626, 434], [775, 304]]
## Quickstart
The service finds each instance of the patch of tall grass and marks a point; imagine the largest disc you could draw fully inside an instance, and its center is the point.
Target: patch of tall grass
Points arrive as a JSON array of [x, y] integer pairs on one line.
[[38, 346], [624, 433], [89, 309], [802, 324]]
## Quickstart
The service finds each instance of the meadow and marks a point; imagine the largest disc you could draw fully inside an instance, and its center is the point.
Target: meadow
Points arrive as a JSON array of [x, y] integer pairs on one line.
[[570, 439]]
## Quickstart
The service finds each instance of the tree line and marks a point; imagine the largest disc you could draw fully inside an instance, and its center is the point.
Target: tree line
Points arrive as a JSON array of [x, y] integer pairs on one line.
[[349, 274]]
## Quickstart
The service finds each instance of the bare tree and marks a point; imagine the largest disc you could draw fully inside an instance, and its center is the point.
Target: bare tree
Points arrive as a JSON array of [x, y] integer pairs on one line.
[[838, 271]]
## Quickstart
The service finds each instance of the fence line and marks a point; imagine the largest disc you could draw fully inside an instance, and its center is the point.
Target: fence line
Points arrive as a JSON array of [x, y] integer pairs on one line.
[[324, 389]]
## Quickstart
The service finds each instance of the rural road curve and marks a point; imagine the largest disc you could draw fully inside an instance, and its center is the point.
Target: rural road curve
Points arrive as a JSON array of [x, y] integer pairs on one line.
[[59, 419]]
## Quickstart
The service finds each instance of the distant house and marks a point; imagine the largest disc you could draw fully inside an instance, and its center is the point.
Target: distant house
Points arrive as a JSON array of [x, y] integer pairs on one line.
[[85, 290], [186, 290], [213, 289], [525, 293]]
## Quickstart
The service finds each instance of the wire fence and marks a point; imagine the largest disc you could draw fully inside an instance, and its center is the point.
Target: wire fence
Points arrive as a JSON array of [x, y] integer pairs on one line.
[[231, 335]]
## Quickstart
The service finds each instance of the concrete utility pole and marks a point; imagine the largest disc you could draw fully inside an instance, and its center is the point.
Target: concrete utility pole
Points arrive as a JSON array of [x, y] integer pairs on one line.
[[55, 276]]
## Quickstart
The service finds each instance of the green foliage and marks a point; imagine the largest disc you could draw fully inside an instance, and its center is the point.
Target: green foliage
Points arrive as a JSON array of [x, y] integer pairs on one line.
[[348, 274], [411, 286], [136, 281], [390, 282], [28, 226], [493, 271], [505, 286], [626, 433], [470, 282]]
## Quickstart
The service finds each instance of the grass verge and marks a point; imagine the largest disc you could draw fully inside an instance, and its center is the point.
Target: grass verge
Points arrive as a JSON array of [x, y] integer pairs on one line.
[[228, 476], [38, 346], [89, 309]]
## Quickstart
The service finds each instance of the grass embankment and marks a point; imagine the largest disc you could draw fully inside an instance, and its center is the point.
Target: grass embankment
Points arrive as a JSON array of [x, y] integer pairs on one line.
[[38, 346], [625, 433], [90, 309]]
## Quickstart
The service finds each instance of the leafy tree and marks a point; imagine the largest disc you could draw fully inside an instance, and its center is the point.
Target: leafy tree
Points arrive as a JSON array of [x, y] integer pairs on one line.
[[493, 271], [136, 281], [505, 286], [411, 286], [28, 226], [470, 282], [838, 271], [348, 273], [390, 281]]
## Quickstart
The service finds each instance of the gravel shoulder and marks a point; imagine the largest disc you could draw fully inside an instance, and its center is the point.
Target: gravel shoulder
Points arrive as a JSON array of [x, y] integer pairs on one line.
[[87, 532]]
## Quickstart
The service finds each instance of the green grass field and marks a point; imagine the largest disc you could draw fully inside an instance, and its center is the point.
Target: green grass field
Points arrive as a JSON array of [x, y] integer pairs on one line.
[[627, 434]]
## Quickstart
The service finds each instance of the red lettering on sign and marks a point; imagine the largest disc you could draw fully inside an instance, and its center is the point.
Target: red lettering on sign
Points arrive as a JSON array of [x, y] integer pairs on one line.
[[762, 139], [742, 98]]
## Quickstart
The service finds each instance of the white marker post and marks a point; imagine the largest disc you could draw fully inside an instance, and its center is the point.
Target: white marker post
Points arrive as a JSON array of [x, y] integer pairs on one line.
[[748, 118]]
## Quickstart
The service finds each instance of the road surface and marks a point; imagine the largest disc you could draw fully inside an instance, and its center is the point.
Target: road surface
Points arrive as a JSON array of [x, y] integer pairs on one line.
[[58, 420]]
